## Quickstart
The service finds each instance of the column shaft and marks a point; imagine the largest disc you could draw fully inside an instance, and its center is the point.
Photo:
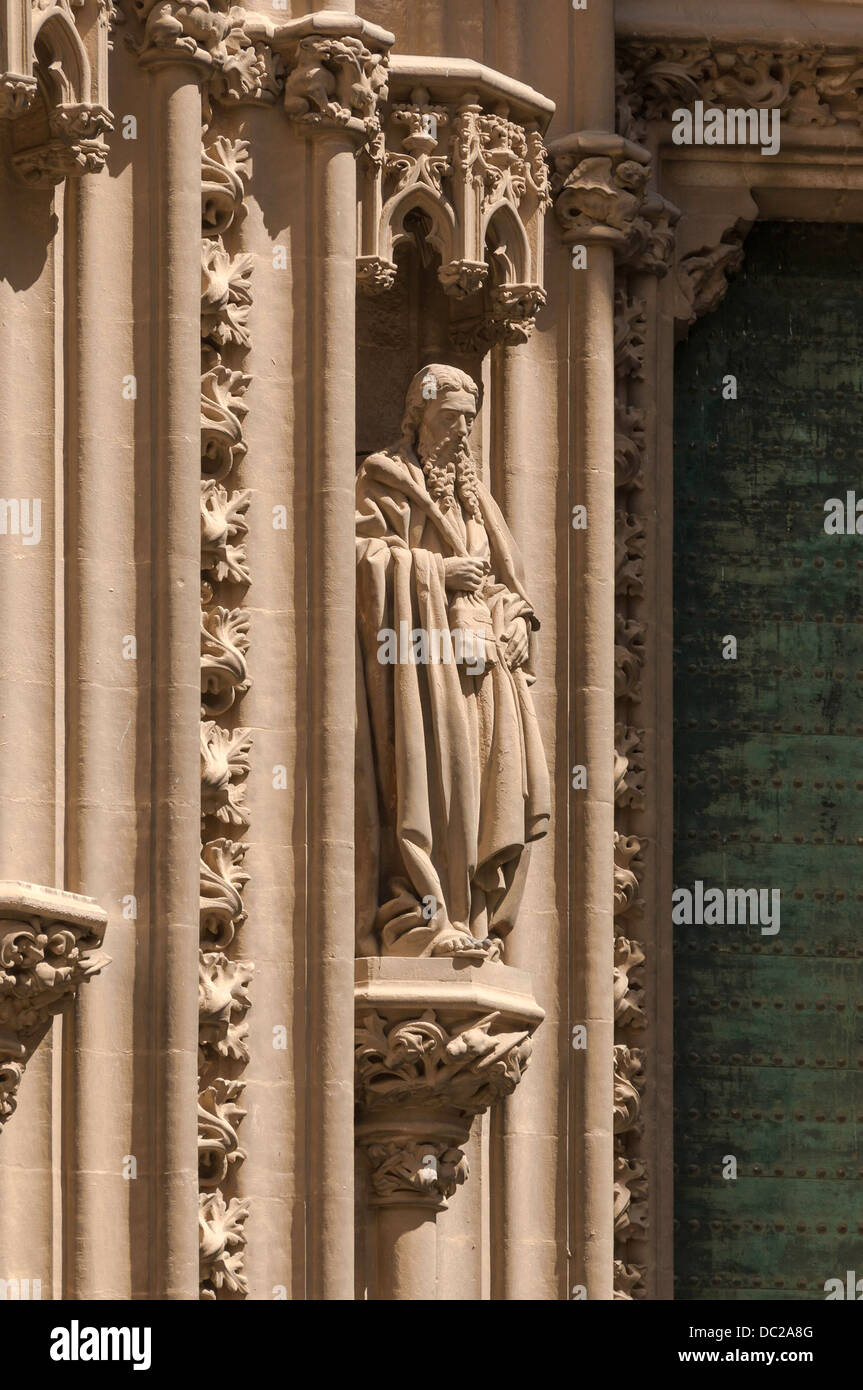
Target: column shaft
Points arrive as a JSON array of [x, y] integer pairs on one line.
[[175, 846], [104, 714], [331, 309]]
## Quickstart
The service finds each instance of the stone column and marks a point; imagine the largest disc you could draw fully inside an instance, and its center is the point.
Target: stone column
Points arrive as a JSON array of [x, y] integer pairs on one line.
[[591, 356], [351, 52], [331, 586], [526, 1216], [172, 393], [176, 517], [28, 560]]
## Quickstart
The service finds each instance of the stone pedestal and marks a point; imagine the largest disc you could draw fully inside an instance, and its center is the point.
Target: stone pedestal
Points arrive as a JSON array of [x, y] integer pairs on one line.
[[437, 1043]]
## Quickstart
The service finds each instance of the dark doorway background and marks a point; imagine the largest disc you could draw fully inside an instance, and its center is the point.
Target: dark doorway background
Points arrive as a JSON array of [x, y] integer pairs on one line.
[[769, 774]]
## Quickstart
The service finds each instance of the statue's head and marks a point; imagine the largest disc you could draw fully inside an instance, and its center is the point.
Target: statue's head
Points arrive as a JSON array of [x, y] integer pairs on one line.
[[440, 408], [440, 401]]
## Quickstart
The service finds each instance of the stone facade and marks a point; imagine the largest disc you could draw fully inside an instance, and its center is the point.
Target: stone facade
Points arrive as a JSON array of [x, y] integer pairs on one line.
[[312, 324]]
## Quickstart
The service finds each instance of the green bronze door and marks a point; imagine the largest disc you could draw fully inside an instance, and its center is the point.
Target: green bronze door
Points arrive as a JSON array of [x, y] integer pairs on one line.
[[769, 776]]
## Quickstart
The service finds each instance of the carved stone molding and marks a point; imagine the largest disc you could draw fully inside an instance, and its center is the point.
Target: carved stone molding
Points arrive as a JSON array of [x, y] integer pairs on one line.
[[224, 979], [436, 1045], [601, 198], [460, 163], [812, 86], [49, 947], [54, 86]]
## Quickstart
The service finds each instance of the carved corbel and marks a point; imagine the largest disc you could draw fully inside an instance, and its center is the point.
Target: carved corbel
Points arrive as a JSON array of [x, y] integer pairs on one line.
[[54, 87], [49, 947], [702, 277], [460, 163], [435, 1047]]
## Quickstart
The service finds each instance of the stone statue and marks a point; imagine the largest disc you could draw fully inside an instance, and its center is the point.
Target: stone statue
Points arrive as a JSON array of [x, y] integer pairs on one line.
[[452, 784]]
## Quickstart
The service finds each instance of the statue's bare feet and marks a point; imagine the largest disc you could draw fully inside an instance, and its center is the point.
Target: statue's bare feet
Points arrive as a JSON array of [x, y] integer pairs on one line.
[[460, 943]]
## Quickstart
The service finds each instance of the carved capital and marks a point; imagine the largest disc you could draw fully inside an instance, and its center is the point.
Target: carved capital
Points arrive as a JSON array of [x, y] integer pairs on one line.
[[436, 1045], [410, 1174], [336, 82], [49, 944], [187, 31], [601, 198]]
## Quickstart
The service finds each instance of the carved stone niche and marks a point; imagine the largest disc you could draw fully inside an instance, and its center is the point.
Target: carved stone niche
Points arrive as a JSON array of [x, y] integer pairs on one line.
[[49, 944], [54, 86], [460, 154], [437, 1043]]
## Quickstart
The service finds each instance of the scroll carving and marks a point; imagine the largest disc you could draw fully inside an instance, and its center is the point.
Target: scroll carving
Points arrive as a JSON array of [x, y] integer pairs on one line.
[[642, 236], [224, 669], [224, 978], [49, 948], [810, 85], [223, 879], [223, 532], [222, 1244]]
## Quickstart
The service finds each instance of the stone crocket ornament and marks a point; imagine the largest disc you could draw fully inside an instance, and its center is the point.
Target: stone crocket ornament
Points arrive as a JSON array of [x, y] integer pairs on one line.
[[452, 784]]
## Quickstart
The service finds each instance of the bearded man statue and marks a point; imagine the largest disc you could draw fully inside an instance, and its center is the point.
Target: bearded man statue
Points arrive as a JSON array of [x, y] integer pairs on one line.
[[452, 784]]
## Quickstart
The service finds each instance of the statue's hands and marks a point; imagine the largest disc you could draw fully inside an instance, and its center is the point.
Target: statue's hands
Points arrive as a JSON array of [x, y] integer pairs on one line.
[[517, 644], [464, 575]]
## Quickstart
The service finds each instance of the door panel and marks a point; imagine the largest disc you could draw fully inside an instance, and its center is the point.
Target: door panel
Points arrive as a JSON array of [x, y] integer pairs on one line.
[[769, 774]]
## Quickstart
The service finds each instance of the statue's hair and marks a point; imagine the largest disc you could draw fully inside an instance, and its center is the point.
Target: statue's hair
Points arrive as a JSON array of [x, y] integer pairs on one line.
[[446, 379]]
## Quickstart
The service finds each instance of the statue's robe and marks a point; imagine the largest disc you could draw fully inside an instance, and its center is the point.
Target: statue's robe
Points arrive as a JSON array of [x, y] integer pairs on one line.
[[452, 783]]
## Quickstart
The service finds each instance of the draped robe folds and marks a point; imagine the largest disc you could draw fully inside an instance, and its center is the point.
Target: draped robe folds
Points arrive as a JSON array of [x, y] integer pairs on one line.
[[452, 783]]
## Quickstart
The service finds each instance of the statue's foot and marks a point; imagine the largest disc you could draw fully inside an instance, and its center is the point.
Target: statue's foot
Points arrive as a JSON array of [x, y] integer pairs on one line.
[[462, 944]]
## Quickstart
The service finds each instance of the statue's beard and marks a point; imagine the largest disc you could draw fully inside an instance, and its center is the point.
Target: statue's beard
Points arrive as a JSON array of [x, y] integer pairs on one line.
[[450, 473]]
